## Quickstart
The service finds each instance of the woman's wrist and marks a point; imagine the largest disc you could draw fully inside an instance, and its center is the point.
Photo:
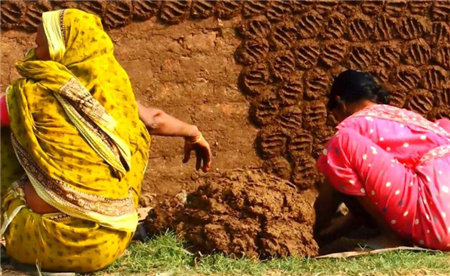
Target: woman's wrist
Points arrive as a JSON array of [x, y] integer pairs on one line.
[[193, 135]]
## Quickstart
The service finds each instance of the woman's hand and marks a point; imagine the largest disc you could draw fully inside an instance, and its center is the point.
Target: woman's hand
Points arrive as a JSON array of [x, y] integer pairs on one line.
[[160, 123], [202, 152]]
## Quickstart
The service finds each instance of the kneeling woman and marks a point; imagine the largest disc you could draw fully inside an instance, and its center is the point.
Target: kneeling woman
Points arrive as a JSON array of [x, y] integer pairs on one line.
[[75, 158], [394, 162]]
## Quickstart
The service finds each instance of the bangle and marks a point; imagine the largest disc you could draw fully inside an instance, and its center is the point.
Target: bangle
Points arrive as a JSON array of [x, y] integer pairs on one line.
[[196, 140]]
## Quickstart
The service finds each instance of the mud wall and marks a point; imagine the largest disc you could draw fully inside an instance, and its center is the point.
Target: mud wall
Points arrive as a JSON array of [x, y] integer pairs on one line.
[[188, 70], [215, 63], [291, 54]]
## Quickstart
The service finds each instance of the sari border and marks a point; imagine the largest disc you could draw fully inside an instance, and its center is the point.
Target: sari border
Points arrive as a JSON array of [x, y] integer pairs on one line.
[[65, 196], [436, 153], [51, 22], [399, 115], [83, 100], [62, 27], [89, 128], [78, 100]]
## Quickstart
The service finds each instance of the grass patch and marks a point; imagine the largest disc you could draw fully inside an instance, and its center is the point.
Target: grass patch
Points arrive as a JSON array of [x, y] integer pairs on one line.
[[166, 255]]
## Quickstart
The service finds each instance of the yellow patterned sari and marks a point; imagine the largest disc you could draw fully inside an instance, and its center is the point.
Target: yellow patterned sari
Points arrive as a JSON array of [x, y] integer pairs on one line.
[[77, 137]]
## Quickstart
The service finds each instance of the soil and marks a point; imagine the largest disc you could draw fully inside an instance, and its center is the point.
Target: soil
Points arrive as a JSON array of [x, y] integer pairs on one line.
[[242, 213]]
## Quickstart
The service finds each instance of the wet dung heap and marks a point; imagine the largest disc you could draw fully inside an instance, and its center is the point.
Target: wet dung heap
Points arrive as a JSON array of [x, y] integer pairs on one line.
[[242, 213]]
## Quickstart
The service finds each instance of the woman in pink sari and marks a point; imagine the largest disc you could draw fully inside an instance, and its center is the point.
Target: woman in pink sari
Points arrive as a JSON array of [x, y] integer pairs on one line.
[[394, 163]]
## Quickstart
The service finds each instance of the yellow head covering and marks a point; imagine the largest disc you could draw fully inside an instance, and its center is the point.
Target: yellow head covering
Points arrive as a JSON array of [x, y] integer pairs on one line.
[[75, 123], [53, 30]]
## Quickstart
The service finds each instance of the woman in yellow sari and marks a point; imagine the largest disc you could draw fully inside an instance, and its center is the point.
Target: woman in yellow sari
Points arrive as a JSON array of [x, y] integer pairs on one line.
[[75, 153]]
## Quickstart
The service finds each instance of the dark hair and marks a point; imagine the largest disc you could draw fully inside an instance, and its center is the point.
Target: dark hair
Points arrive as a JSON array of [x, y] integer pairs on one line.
[[353, 86]]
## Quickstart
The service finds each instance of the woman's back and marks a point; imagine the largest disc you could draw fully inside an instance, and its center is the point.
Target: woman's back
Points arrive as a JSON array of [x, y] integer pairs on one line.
[[394, 162], [361, 160], [404, 134]]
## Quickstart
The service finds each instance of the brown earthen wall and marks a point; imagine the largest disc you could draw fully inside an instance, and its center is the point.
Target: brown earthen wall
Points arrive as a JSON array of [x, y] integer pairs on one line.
[[229, 65], [189, 71]]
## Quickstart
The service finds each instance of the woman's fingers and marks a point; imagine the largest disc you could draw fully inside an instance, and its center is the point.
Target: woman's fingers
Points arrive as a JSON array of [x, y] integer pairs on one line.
[[207, 159], [198, 155], [202, 155], [187, 154]]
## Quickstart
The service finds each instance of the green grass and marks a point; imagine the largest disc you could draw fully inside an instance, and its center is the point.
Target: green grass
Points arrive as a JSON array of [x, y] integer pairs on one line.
[[165, 255]]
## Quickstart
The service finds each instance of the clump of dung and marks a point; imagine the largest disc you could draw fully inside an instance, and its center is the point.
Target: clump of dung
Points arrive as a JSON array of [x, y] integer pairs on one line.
[[242, 213]]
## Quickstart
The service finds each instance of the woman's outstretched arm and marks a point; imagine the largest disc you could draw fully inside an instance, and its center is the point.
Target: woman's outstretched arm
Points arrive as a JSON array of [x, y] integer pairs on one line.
[[160, 123]]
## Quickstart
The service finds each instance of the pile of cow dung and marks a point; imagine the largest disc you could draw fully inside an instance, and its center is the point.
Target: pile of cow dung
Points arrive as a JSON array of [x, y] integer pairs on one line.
[[242, 213]]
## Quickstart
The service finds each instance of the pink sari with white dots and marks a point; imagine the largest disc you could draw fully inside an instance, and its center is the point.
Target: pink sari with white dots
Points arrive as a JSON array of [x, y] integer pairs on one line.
[[401, 161]]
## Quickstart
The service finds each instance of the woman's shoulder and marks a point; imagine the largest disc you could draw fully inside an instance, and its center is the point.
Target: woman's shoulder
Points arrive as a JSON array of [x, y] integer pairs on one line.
[[369, 116], [378, 110], [382, 113], [387, 112]]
